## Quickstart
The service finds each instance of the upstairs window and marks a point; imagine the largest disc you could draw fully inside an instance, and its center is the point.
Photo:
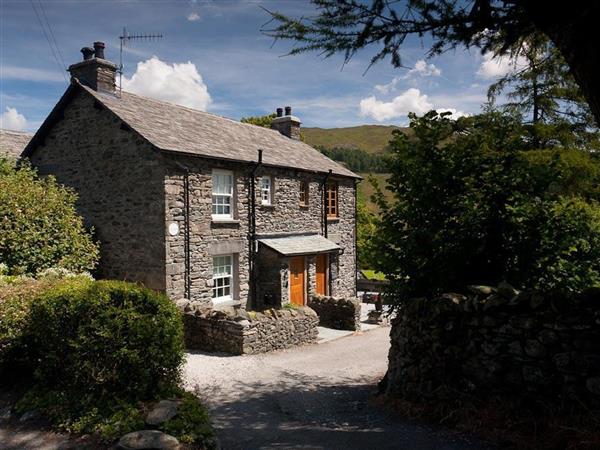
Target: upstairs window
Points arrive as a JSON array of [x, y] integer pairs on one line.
[[222, 194], [332, 200], [303, 193], [266, 190], [222, 278]]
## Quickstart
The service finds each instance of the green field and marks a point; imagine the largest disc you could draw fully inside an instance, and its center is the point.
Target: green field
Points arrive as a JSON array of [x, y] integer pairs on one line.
[[370, 138], [366, 190]]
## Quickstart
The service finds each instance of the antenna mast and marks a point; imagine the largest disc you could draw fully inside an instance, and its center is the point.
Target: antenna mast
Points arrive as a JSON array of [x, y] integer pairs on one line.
[[124, 39]]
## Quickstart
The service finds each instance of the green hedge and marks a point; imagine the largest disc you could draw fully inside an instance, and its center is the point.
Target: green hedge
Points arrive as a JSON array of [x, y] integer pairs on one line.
[[39, 227]]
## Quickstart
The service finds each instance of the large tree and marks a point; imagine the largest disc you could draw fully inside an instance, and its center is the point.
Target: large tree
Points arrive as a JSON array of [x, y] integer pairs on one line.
[[348, 26]]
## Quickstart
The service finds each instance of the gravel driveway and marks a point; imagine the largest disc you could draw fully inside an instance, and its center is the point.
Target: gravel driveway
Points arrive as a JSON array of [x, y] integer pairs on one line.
[[312, 397]]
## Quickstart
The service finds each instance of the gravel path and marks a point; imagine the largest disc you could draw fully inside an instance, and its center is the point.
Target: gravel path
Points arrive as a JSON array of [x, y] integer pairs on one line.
[[313, 397]]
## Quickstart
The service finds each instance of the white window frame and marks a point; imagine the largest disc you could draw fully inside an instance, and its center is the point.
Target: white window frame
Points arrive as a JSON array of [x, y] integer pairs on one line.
[[266, 190], [220, 195], [223, 278]]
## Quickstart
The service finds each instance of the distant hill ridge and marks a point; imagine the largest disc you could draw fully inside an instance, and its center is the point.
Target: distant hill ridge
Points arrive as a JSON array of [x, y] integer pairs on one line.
[[370, 138]]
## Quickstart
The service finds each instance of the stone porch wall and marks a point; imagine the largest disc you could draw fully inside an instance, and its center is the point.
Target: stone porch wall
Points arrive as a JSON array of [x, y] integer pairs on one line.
[[239, 332], [337, 313], [497, 342]]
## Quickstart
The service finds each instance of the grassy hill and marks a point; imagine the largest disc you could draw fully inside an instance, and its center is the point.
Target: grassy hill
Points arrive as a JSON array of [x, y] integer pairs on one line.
[[370, 138]]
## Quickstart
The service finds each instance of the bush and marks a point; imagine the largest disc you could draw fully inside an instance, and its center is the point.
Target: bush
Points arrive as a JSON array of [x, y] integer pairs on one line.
[[39, 227], [472, 207]]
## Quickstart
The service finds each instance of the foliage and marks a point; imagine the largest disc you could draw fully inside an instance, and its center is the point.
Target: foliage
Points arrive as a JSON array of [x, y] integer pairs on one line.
[[89, 351], [357, 160], [373, 275], [39, 227], [366, 227], [348, 26], [261, 121], [544, 90], [471, 207], [192, 423]]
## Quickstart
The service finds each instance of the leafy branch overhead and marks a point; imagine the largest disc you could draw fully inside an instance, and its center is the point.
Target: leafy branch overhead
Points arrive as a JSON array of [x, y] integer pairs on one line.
[[501, 27]]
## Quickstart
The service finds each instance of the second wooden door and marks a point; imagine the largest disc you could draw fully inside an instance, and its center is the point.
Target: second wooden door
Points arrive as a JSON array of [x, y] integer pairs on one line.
[[322, 284], [297, 286]]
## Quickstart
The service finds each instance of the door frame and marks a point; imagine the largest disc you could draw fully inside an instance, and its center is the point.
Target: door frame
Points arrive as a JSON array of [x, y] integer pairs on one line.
[[304, 279]]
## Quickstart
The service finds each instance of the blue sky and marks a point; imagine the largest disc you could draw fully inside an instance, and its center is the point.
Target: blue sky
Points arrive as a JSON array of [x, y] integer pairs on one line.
[[213, 57]]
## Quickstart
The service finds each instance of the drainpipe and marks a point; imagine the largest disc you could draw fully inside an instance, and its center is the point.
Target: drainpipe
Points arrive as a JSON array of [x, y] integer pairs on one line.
[[252, 231], [355, 234], [186, 229], [324, 218]]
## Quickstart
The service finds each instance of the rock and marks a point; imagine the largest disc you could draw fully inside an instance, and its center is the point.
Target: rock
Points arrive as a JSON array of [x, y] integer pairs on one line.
[[148, 440], [163, 411], [5, 413], [480, 289], [30, 415], [507, 291], [593, 385]]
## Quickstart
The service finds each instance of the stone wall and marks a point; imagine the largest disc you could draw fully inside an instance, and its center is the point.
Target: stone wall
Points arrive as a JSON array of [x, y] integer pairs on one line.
[[284, 215], [118, 178], [240, 332], [497, 341], [337, 313]]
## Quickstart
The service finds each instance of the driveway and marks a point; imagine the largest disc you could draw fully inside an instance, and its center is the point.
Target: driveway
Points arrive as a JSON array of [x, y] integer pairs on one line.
[[312, 397]]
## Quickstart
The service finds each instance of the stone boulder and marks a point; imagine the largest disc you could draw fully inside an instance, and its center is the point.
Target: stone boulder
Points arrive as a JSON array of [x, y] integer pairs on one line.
[[163, 411], [148, 440]]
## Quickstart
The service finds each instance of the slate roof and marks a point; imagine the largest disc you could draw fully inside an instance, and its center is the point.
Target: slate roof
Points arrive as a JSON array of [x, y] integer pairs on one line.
[[300, 244], [184, 130], [12, 143]]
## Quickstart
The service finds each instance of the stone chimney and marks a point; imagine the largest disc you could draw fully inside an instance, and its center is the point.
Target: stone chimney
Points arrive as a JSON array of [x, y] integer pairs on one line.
[[287, 124], [95, 71]]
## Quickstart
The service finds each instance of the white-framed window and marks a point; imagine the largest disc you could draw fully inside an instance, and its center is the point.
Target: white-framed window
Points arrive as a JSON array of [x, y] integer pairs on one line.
[[266, 189], [222, 194], [222, 290]]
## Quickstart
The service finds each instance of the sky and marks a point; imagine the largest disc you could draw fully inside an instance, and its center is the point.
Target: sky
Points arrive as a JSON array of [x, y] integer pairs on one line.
[[213, 57]]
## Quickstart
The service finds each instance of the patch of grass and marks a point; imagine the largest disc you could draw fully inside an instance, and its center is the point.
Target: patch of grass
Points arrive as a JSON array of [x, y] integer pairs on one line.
[[191, 424], [289, 306], [366, 190], [373, 275]]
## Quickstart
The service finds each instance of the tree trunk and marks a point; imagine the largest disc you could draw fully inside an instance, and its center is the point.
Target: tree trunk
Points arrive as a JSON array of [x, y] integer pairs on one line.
[[572, 29]]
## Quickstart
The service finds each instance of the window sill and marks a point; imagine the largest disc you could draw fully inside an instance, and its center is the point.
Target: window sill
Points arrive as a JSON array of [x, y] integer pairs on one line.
[[301, 206], [226, 304], [217, 221], [333, 219], [267, 206]]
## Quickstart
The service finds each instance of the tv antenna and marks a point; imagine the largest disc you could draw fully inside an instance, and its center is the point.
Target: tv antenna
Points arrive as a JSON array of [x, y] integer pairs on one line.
[[125, 39]]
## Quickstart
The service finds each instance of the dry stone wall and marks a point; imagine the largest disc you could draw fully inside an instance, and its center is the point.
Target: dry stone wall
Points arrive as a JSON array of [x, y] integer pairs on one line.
[[497, 341], [236, 331], [337, 313]]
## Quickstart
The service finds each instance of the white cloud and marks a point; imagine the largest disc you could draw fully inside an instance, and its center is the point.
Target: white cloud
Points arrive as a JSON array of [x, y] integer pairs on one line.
[[193, 17], [30, 74], [498, 66], [455, 114], [410, 100], [11, 119], [178, 83], [421, 69]]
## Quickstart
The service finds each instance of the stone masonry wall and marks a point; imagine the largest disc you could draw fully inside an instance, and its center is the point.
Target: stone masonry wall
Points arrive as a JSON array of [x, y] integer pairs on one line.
[[118, 177], [239, 332], [285, 215], [497, 342], [337, 313]]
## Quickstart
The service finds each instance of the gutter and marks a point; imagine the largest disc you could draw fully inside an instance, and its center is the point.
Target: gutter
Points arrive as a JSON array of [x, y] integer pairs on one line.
[[252, 230], [186, 229]]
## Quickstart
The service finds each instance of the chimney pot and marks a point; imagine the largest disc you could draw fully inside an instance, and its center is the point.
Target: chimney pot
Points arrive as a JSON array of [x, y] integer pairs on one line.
[[279, 112], [99, 49], [88, 52], [288, 110]]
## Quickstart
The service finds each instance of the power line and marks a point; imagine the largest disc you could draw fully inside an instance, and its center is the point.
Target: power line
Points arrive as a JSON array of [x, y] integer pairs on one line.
[[60, 67], [52, 35]]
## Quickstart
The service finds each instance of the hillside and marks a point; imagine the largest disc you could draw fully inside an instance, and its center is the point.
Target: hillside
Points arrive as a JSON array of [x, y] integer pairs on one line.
[[371, 138]]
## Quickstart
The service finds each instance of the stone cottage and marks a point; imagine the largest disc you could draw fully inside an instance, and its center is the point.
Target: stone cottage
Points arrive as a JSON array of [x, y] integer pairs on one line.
[[199, 206]]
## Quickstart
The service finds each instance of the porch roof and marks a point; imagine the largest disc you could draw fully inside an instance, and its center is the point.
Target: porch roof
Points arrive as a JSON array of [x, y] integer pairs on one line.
[[300, 245]]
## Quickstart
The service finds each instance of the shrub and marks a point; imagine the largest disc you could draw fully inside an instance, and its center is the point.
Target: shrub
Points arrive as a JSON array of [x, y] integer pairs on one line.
[[472, 207], [39, 227]]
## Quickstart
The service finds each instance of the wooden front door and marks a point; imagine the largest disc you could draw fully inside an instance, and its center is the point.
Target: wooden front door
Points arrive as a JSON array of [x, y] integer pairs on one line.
[[297, 287], [322, 259]]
